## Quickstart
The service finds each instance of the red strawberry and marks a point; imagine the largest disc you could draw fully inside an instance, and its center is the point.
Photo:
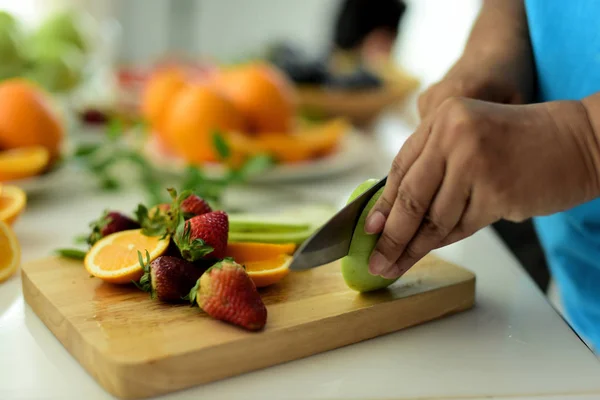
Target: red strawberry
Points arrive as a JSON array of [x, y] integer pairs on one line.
[[226, 292], [195, 205], [203, 236], [110, 222], [167, 278]]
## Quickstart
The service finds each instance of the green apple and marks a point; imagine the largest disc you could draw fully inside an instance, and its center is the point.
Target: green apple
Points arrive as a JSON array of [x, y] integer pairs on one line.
[[355, 266], [7, 21], [58, 66], [67, 26]]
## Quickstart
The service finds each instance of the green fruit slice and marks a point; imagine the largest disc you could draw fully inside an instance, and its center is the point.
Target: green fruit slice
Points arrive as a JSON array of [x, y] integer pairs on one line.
[[296, 237], [251, 223], [355, 266]]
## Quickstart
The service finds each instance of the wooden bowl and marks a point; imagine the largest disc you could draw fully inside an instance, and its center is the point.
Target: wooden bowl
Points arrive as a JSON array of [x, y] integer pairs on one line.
[[361, 107]]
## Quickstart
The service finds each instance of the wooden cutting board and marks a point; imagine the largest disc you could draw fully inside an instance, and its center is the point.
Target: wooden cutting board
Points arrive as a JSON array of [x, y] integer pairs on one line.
[[136, 348]]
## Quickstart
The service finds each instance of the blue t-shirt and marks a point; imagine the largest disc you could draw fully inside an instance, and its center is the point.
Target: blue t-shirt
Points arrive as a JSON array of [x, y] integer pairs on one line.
[[565, 37]]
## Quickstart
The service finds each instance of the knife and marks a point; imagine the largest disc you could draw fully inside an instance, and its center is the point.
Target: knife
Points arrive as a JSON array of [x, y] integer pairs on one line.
[[332, 240]]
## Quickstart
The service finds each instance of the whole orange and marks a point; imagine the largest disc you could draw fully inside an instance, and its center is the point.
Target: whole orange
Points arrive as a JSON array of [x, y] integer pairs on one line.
[[159, 91], [262, 93], [194, 115], [27, 117]]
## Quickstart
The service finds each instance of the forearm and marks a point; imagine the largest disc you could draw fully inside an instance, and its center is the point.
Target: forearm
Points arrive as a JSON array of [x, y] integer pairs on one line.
[[591, 107], [499, 40]]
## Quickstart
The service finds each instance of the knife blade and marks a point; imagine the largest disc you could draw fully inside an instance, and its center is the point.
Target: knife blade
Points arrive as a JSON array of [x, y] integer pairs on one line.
[[332, 240]]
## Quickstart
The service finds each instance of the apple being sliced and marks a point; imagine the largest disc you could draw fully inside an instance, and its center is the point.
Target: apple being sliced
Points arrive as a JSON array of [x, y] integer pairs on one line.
[[355, 266]]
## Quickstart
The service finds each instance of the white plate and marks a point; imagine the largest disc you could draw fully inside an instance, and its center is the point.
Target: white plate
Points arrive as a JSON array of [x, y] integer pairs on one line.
[[354, 151]]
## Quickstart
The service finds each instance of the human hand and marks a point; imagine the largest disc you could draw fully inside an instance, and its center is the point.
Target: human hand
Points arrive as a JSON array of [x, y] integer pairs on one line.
[[496, 80], [471, 163]]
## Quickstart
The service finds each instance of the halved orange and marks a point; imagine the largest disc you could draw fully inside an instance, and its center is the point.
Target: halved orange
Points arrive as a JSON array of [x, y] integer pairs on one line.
[[23, 162], [268, 272], [114, 258], [12, 203], [250, 251], [302, 145], [10, 252]]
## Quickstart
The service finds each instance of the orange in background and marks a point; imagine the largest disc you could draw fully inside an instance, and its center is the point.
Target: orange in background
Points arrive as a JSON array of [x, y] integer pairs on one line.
[[194, 115], [262, 93], [308, 144], [159, 92], [27, 117], [13, 201], [23, 162], [10, 252]]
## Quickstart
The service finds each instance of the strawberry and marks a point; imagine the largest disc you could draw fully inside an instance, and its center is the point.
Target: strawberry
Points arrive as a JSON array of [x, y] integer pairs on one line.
[[203, 236], [167, 278], [226, 292], [195, 205], [110, 222]]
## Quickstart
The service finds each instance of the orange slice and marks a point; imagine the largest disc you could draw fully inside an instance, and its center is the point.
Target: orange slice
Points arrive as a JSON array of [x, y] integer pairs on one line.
[[10, 252], [12, 203], [114, 258], [23, 162], [268, 272], [244, 252]]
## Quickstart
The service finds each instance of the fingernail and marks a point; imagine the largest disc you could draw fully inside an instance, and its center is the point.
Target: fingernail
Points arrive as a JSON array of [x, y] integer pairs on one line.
[[374, 223], [378, 263]]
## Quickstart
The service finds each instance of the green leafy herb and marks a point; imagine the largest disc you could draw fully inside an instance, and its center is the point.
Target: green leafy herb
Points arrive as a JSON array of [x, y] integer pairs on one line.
[[104, 161], [86, 150], [115, 129], [81, 239], [75, 254], [221, 145], [253, 166]]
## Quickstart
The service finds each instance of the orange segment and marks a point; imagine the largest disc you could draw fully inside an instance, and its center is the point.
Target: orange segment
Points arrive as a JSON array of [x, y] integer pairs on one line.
[[244, 252], [10, 252], [23, 162], [12, 203], [268, 272], [299, 146], [115, 258]]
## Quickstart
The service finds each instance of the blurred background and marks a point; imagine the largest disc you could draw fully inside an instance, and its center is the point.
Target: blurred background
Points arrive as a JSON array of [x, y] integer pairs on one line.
[[216, 93]]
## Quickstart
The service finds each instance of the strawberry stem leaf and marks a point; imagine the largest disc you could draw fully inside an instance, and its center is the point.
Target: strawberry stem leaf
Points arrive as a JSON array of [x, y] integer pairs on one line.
[[97, 226], [145, 282], [190, 249], [193, 294]]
